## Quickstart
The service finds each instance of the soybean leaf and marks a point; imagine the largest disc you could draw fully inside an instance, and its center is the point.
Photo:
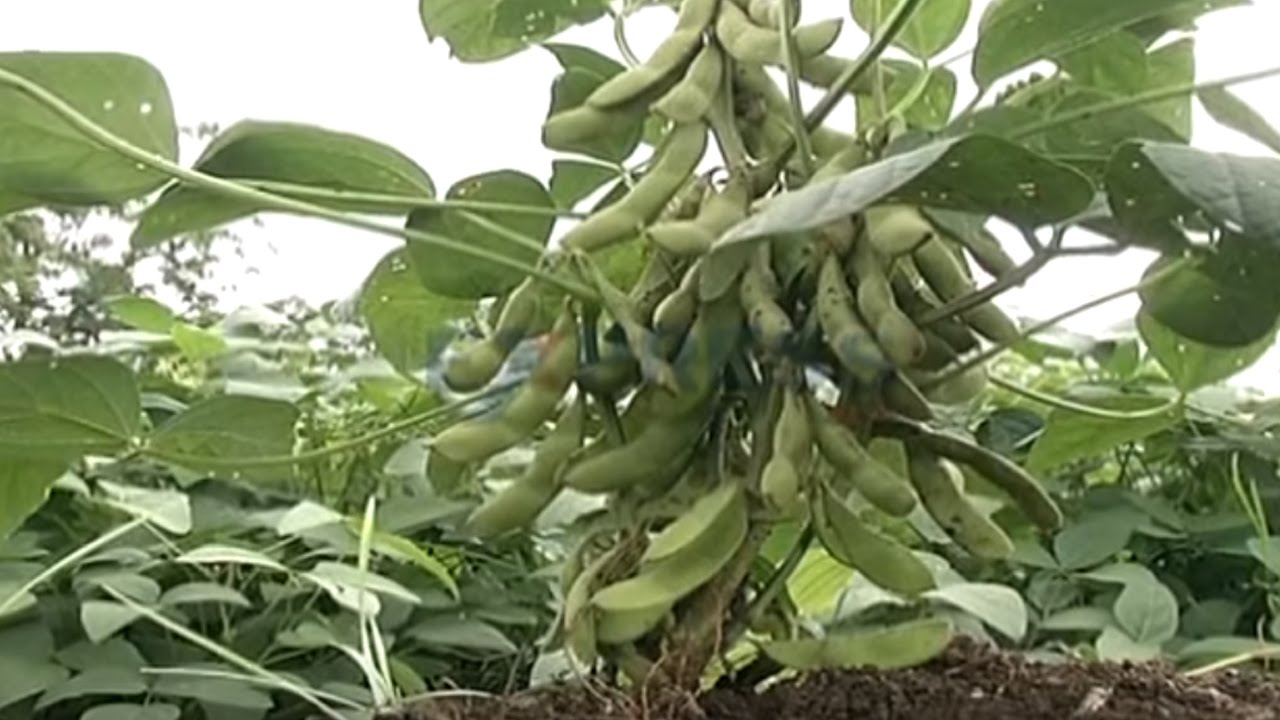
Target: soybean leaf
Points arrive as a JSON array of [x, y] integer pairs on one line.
[[44, 160], [1191, 365], [1115, 645], [1144, 205], [479, 31], [1266, 551], [1236, 191], [204, 592], [409, 324], [1209, 618], [1229, 110], [816, 585], [1097, 537], [1212, 648], [1172, 65], [1147, 612], [24, 486], [232, 693], [225, 433], [113, 681], [1077, 619], [198, 343], [306, 515], [21, 677], [168, 509], [1182, 15], [978, 173], [116, 652], [101, 618], [141, 313], [1015, 33], [461, 633], [130, 584], [573, 180], [1116, 63], [292, 153], [1069, 436], [404, 550], [934, 26], [996, 605], [61, 408], [451, 274], [214, 554], [1230, 299], [127, 711], [932, 106], [351, 577]]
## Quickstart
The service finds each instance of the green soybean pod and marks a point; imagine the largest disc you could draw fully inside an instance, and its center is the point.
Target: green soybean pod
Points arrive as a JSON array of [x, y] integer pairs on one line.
[[769, 323], [693, 237], [940, 486], [844, 332], [824, 70], [873, 480], [475, 365], [675, 314], [568, 129], [883, 560], [902, 341], [699, 365], [943, 272], [903, 397], [646, 457], [520, 503], [850, 157], [667, 60], [916, 300], [747, 42], [765, 13], [532, 404], [690, 98], [957, 390], [895, 230], [675, 160]]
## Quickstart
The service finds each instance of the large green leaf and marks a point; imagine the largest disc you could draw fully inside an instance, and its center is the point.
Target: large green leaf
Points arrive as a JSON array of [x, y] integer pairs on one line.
[[45, 160], [1098, 536], [461, 633], [934, 26], [1146, 208], [573, 180], [451, 274], [168, 509], [292, 153], [1237, 191], [22, 677], [1193, 365], [24, 486], [59, 409], [1229, 110], [239, 694], [1070, 435], [486, 30], [127, 711], [1229, 299], [1016, 33], [409, 324], [215, 434], [978, 173], [932, 104]]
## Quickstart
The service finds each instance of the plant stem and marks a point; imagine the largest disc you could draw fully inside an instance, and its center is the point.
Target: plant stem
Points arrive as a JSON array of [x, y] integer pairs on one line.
[[996, 350], [265, 200], [394, 428], [620, 35], [791, 60], [70, 559], [885, 36], [403, 202], [775, 585], [1020, 275], [1146, 98], [1062, 403]]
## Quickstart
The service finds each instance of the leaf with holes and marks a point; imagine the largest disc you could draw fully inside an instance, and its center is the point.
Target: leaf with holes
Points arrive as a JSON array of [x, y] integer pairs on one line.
[[54, 410], [517, 236], [1016, 33], [996, 605], [44, 160], [1147, 611], [226, 434], [479, 31], [324, 167], [409, 324], [978, 173], [934, 26], [1237, 192], [1192, 365]]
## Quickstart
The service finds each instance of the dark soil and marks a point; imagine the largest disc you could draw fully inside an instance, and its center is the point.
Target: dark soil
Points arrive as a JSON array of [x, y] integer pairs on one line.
[[968, 682]]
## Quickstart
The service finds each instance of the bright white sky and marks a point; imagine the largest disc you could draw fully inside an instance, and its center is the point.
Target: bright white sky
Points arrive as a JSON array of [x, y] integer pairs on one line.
[[366, 67]]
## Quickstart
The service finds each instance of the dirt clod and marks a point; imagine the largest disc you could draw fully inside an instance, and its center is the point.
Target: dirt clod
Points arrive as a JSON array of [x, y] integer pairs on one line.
[[968, 682]]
